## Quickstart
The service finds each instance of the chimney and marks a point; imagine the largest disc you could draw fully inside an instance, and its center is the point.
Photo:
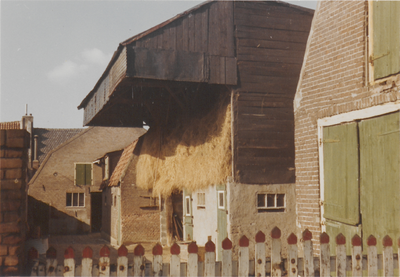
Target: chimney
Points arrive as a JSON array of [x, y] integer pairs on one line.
[[27, 124]]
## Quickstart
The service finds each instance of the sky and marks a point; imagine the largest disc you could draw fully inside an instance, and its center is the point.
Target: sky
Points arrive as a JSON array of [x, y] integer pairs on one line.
[[54, 52]]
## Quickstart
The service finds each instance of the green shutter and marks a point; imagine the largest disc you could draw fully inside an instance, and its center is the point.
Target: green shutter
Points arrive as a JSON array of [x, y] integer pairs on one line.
[[386, 38], [80, 174], [88, 174], [380, 180], [341, 190]]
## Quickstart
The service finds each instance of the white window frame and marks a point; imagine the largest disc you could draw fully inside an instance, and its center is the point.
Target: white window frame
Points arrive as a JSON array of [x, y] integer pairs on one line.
[[222, 207], [106, 168], [72, 200], [340, 119], [275, 207], [201, 205], [188, 208]]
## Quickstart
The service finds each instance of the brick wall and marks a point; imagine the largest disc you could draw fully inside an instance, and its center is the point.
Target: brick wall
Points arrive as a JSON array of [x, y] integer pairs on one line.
[[333, 82], [13, 163], [140, 221]]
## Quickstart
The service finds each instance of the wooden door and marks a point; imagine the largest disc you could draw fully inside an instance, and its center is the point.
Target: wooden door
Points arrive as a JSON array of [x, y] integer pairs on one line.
[[341, 186], [380, 179]]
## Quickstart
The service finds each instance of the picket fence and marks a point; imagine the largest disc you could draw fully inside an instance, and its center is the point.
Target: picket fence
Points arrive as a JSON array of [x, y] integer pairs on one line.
[[275, 266]]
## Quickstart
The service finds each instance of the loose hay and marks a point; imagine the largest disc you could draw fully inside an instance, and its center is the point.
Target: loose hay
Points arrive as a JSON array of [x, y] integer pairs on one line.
[[193, 155]]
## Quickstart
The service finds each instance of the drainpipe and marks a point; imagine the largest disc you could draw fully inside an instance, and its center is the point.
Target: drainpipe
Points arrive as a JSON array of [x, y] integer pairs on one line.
[[119, 217], [35, 163]]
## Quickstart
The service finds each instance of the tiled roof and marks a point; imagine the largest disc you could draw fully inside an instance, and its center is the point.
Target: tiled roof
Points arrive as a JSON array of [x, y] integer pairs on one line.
[[48, 139], [10, 125], [122, 165]]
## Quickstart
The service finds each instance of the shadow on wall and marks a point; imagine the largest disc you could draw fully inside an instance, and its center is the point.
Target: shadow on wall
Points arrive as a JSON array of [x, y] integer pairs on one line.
[[45, 220]]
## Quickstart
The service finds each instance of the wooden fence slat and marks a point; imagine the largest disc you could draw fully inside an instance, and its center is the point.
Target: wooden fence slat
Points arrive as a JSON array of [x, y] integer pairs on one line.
[[193, 258], [398, 252], [340, 255], [209, 258], [33, 261], [243, 256], [308, 254], [356, 256], [387, 256], [372, 256], [260, 254], [138, 266], [41, 270], [69, 262], [104, 261], [87, 262], [276, 257], [51, 261], [175, 263], [325, 255], [226, 257], [122, 261], [292, 255], [157, 260]]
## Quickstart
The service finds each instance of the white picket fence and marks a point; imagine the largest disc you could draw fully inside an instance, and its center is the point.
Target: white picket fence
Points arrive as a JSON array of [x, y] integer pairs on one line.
[[261, 266]]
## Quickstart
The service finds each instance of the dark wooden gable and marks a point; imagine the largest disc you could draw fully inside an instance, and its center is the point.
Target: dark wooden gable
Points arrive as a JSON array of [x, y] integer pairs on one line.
[[271, 39], [252, 49]]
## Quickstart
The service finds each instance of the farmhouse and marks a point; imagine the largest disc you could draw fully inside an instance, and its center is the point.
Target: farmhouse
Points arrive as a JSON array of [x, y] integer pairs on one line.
[[347, 122], [215, 85], [64, 194]]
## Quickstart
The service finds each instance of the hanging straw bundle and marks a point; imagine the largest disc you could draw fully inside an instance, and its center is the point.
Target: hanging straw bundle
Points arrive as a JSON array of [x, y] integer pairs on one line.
[[194, 155]]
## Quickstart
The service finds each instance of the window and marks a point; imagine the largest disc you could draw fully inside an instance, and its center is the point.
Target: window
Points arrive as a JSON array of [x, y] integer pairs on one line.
[[384, 39], [106, 168], [201, 200], [187, 202], [83, 174], [221, 199], [271, 201], [75, 199]]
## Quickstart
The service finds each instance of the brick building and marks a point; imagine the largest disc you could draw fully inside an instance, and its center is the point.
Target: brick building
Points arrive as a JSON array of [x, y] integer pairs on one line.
[[347, 122], [13, 206], [64, 194], [130, 214]]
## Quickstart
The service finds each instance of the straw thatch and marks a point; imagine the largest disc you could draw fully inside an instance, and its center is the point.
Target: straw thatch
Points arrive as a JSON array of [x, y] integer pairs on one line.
[[195, 154]]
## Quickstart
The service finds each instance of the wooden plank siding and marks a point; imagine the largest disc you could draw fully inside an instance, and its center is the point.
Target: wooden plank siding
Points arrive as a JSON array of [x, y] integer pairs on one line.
[[270, 44]]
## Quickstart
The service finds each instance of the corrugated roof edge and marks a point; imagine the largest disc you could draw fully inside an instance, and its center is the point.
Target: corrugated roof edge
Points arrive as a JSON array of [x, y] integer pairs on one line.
[[155, 28]]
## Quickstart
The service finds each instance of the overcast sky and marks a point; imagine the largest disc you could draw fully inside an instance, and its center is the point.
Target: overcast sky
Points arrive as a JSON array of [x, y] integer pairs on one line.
[[53, 52]]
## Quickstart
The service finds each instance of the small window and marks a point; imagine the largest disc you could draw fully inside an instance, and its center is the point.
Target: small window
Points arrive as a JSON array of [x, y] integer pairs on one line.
[[75, 199], [115, 200], [187, 200], [201, 200], [221, 200], [83, 174], [271, 202]]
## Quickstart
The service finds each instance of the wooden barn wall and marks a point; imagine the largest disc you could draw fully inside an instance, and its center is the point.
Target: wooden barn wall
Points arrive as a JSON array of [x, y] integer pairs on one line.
[[208, 30], [106, 88], [270, 43]]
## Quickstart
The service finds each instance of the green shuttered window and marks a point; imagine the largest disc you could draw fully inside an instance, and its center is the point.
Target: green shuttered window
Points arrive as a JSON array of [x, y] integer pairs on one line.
[[385, 56], [341, 173], [83, 174]]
